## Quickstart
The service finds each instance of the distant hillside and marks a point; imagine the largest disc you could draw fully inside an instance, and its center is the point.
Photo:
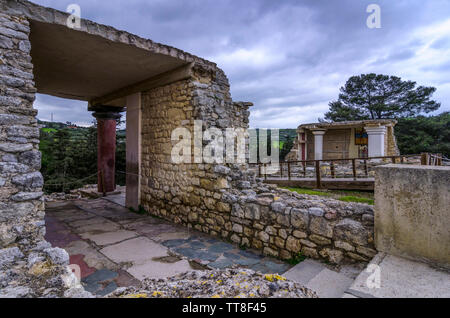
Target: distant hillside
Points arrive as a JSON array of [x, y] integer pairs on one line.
[[287, 137]]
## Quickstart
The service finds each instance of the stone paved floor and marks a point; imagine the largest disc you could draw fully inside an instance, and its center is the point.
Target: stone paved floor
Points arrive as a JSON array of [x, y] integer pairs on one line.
[[114, 247]]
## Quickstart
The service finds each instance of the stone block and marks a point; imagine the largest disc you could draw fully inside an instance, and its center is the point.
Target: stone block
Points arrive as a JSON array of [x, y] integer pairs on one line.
[[299, 219], [293, 244], [351, 231], [319, 240], [321, 226]]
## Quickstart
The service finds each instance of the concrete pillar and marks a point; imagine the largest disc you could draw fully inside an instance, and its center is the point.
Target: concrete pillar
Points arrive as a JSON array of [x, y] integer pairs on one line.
[[318, 144], [133, 181], [106, 147], [376, 140]]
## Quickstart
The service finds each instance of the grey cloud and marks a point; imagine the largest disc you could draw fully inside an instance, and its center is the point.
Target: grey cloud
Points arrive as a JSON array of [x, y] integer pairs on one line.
[[286, 54]]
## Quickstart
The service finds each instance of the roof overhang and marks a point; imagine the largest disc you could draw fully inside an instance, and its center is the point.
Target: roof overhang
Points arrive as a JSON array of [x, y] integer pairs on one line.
[[348, 124], [97, 63]]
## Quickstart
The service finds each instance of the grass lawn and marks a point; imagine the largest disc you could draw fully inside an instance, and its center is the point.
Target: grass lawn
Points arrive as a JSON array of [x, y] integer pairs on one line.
[[49, 130], [342, 195]]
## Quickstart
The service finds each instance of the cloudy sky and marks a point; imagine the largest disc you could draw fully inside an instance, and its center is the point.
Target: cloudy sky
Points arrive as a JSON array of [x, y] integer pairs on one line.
[[288, 57]]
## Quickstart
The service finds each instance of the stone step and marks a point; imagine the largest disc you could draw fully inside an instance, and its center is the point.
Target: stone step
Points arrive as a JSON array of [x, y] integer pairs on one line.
[[399, 278], [316, 276]]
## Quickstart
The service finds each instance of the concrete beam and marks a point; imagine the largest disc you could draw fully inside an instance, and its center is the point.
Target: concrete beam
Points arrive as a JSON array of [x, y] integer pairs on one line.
[[118, 97]]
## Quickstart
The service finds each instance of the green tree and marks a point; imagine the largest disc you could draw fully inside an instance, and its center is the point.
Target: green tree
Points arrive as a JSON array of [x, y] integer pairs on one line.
[[424, 134], [372, 96], [60, 162]]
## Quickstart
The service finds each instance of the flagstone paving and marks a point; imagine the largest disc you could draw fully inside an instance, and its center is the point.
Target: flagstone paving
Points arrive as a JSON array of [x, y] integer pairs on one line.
[[115, 247]]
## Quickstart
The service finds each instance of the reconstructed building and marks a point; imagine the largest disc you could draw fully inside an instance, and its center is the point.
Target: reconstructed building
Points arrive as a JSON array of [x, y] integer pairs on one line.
[[349, 139]]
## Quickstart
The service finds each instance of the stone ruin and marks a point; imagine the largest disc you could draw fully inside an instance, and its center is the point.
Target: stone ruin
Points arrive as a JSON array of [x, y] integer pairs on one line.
[[173, 90]]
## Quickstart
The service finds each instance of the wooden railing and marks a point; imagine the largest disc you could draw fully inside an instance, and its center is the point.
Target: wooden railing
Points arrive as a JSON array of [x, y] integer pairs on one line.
[[286, 168], [429, 159]]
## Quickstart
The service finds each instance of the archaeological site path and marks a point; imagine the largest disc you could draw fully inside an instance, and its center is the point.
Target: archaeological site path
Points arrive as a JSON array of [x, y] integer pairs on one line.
[[115, 247]]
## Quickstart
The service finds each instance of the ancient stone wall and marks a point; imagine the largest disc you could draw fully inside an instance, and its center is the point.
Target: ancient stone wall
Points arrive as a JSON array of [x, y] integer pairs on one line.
[[20, 179], [29, 266], [227, 200], [391, 142]]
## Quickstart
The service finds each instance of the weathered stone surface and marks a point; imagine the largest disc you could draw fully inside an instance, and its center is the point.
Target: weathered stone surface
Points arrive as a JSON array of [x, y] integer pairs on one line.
[[351, 231], [333, 256], [284, 220], [77, 292], [310, 252], [320, 240], [31, 180], [344, 245], [321, 226], [13, 147], [271, 252], [9, 255], [222, 170], [26, 196], [10, 119], [299, 234], [278, 207], [204, 285], [5, 42], [271, 230], [15, 292], [293, 244], [368, 252], [23, 131], [308, 243], [357, 257], [31, 158], [237, 228], [299, 219], [12, 211], [58, 256], [9, 158], [316, 211], [12, 168], [7, 235], [263, 236]]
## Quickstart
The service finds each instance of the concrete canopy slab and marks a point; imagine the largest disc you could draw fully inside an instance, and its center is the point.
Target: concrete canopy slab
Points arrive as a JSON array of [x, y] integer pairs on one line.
[[73, 64]]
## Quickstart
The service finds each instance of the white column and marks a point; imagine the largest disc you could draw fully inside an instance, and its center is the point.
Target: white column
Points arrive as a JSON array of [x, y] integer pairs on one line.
[[318, 144], [376, 140], [133, 161]]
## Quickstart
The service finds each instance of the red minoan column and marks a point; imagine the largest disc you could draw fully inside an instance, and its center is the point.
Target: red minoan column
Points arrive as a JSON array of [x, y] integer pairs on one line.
[[106, 147]]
